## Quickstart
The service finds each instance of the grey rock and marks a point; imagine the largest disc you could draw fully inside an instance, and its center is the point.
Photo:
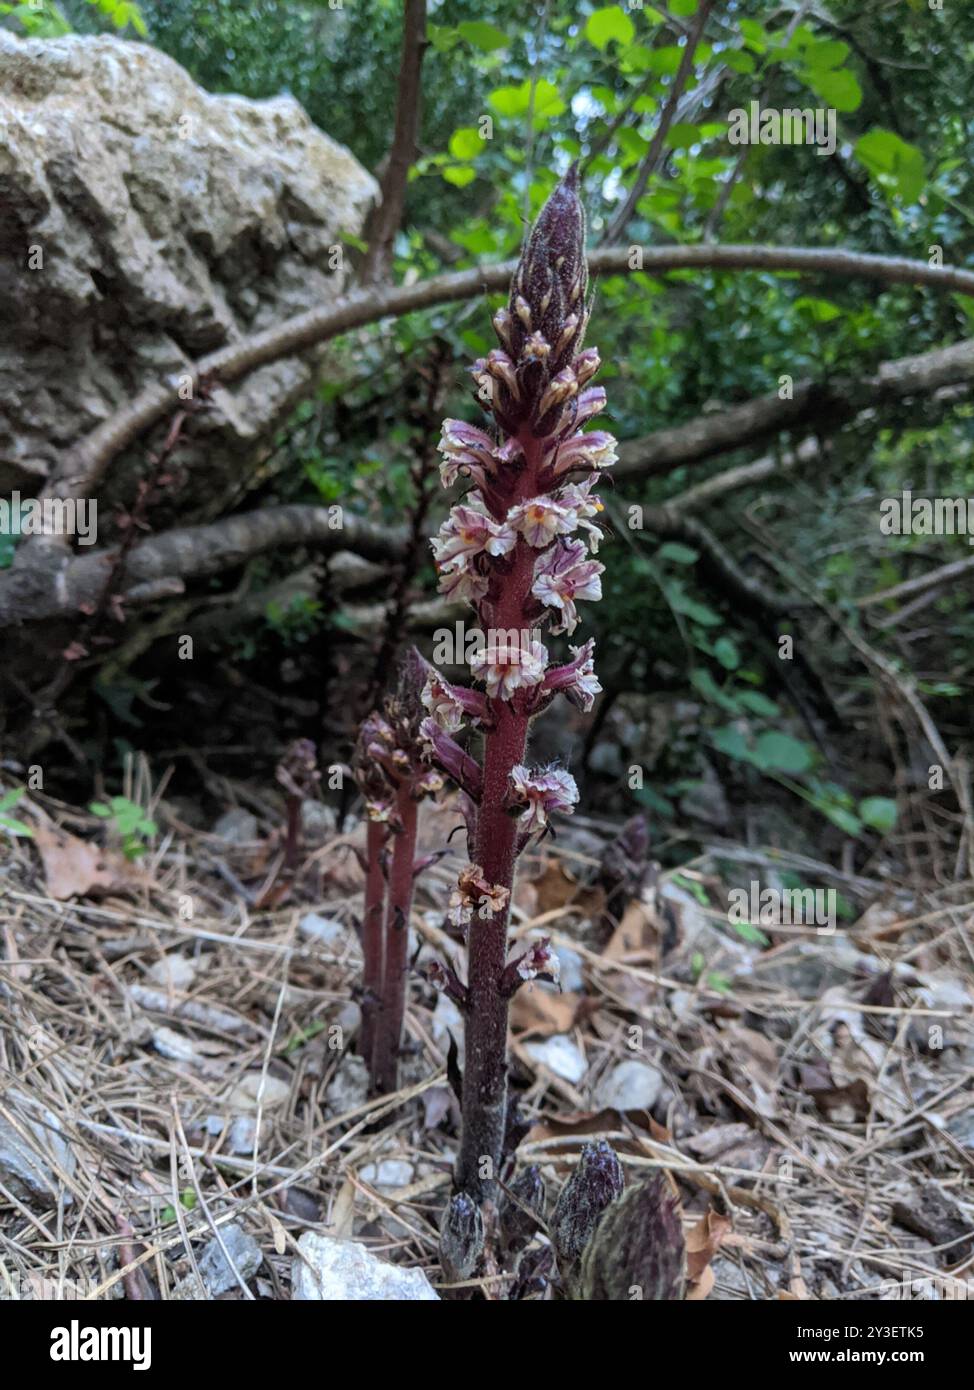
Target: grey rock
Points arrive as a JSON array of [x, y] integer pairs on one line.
[[632, 1085], [255, 1089], [560, 1055], [388, 1172], [243, 1131], [349, 1087], [29, 1147], [175, 1046], [326, 931], [344, 1271], [809, 968], [171, 222], [571, 974], [215, 1270], [318, 819], [173, 972], [237, 826]]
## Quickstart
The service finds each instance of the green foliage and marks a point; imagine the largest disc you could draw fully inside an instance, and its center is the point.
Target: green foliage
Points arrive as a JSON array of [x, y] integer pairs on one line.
[[9, 823], [128, 822]]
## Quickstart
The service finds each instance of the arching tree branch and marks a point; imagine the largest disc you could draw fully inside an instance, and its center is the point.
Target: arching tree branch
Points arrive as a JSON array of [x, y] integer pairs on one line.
[[833, 402], [84, 465], [158, 566]]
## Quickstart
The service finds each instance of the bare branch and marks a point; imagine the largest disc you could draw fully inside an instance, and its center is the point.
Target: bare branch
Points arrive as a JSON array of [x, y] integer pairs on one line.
[[82, 467], [624, 216], [157, 567], [835, 402], [909, 588], [402, 153]]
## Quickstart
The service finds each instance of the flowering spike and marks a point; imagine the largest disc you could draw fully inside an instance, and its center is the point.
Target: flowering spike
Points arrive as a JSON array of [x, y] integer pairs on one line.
[[512, 549]]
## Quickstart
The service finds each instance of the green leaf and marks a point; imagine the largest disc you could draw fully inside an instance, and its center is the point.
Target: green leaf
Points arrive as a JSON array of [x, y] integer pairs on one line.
[[839, 88], [483, 35], [781, 753], [738, 60], [466, 143], [844, 819], [510, 101], [683, 9], [747, 931], [732, 743], [705, 685], [515, 101], [690, 608], [679, 554], [897, 165], [682, 135], [607, 25], [460, 175], [758, 703], [880, 812], [726, 653], [818, 310]]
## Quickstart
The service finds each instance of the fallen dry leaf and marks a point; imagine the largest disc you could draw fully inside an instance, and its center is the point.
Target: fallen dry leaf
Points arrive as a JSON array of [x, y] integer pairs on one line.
[[542, 1012], [702, 1244], [74, 867]]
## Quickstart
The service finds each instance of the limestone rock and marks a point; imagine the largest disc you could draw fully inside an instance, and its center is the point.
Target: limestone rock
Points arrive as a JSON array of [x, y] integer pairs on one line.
[[343, 1271], [163, 222]]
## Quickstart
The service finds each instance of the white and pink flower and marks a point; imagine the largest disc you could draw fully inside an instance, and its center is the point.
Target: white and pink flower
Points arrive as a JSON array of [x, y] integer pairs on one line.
[[577, 678], [578, 497], [506, 666], [540, 520], [461, 582], [562, 576], [597, 449], [450, 704], [465, 448], [469, 531], [541, 792]]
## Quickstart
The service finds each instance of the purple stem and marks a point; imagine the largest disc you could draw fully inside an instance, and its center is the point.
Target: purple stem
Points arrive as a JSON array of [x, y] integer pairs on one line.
[[389, 1021], [485, 1069], [372, 936]]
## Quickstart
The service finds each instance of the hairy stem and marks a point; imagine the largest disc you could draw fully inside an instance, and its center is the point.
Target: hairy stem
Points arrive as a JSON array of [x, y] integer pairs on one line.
[[372, 937], [485, 1069], [388, 1030]]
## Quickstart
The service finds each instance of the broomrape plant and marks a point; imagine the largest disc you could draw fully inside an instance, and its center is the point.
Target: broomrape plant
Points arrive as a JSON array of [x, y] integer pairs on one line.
[[394, 776], [519, 547]]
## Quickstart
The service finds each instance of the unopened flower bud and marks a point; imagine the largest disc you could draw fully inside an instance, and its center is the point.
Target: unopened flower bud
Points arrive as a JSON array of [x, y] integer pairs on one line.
[[595, 1184], [638, 1250], [522, 1207], [461, 1238]]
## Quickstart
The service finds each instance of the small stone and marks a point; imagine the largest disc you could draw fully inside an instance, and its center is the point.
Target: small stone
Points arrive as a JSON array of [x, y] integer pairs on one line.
[[240, 1140], [632, 1085], [254, 1088], [326, 931], [217, 1275], [348, 1018], [173, 972], [571, 975], [560, 1055], [389, 1173], [343, 1271], [168, 1043], [318, 819], [27, 1153], [349, 1087], [237, 826]]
